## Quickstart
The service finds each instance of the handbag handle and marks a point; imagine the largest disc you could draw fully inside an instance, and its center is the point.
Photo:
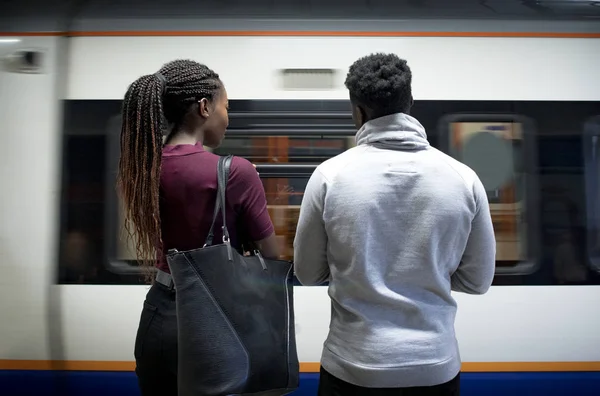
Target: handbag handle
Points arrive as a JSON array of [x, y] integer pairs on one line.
[[223, 168]]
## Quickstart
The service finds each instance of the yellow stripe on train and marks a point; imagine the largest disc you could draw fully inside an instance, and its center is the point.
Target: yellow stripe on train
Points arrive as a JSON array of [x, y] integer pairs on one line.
[[473, 367]]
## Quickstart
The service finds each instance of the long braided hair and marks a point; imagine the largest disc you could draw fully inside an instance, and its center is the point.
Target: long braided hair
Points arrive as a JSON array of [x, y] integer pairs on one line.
[[154, 104]]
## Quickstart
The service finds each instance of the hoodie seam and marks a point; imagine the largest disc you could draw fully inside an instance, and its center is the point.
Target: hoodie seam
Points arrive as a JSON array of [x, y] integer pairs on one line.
[[468, 185], [358, 150], [451, 165]]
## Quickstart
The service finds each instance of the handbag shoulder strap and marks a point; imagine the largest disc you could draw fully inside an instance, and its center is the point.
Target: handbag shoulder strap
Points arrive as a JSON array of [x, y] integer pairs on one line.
[[223, 168]]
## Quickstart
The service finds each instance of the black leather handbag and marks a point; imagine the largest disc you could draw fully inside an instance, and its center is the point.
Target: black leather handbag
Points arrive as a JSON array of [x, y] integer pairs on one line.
[[235, 317]]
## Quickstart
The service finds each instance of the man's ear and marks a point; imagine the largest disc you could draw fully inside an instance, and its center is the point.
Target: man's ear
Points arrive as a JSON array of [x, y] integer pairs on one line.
[[356, 116], [362, 116], [203, 108]]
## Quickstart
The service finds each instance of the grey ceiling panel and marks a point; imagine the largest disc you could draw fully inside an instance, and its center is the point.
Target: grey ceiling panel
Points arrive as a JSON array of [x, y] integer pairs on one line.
[[574, 8], [503, 8], [39, 15]]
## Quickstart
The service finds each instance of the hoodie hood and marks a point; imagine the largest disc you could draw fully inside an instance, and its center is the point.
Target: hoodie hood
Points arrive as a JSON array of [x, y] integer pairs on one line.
[[395, 132]]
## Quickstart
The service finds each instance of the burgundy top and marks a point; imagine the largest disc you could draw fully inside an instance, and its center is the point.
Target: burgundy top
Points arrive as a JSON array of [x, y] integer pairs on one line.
[[188, 191]]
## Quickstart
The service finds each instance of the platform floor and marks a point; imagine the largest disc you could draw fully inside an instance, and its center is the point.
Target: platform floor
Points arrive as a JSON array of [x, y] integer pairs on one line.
[[82, 383]]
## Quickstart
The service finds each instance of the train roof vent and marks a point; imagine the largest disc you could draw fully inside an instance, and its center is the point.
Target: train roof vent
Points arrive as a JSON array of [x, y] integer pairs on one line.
[[308, 79]]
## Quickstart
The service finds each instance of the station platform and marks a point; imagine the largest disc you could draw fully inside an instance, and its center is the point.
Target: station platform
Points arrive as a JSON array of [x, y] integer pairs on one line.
[[88, 383]]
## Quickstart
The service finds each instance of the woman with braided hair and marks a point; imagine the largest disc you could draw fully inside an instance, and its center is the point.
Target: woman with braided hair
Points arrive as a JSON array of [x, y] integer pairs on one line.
[[169, 193]]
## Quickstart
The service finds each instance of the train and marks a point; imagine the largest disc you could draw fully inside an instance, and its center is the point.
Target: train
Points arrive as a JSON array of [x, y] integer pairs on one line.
[[71, 291]]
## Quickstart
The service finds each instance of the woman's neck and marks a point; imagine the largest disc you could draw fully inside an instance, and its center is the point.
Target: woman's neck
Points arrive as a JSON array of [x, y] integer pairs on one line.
[[182, 136]]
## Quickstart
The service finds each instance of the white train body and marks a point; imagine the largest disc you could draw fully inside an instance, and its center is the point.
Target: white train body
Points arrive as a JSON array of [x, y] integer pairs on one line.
[[47, 325]]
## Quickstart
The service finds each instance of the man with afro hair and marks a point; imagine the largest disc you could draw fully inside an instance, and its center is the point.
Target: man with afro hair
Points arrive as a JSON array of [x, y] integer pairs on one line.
[[393, 225]]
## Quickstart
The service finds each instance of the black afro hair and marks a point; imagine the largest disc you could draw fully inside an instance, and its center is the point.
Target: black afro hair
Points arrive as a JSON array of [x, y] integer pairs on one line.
[[381, 83]]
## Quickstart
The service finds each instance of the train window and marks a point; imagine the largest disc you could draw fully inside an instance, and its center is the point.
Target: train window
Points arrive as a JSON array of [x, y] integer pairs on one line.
[[283, 137], [82, 208], [284, 196], [499, 149], [592, 187], [285, 149]]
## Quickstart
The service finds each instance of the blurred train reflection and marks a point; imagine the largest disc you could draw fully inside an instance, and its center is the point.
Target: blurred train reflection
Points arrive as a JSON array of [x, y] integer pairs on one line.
[[530, 160]]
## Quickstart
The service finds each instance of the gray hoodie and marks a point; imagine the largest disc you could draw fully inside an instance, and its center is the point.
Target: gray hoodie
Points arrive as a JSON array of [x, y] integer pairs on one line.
[[394, 225]]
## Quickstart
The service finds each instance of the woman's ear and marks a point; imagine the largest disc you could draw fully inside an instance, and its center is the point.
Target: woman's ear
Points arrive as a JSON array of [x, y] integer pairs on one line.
[[203, 108]]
